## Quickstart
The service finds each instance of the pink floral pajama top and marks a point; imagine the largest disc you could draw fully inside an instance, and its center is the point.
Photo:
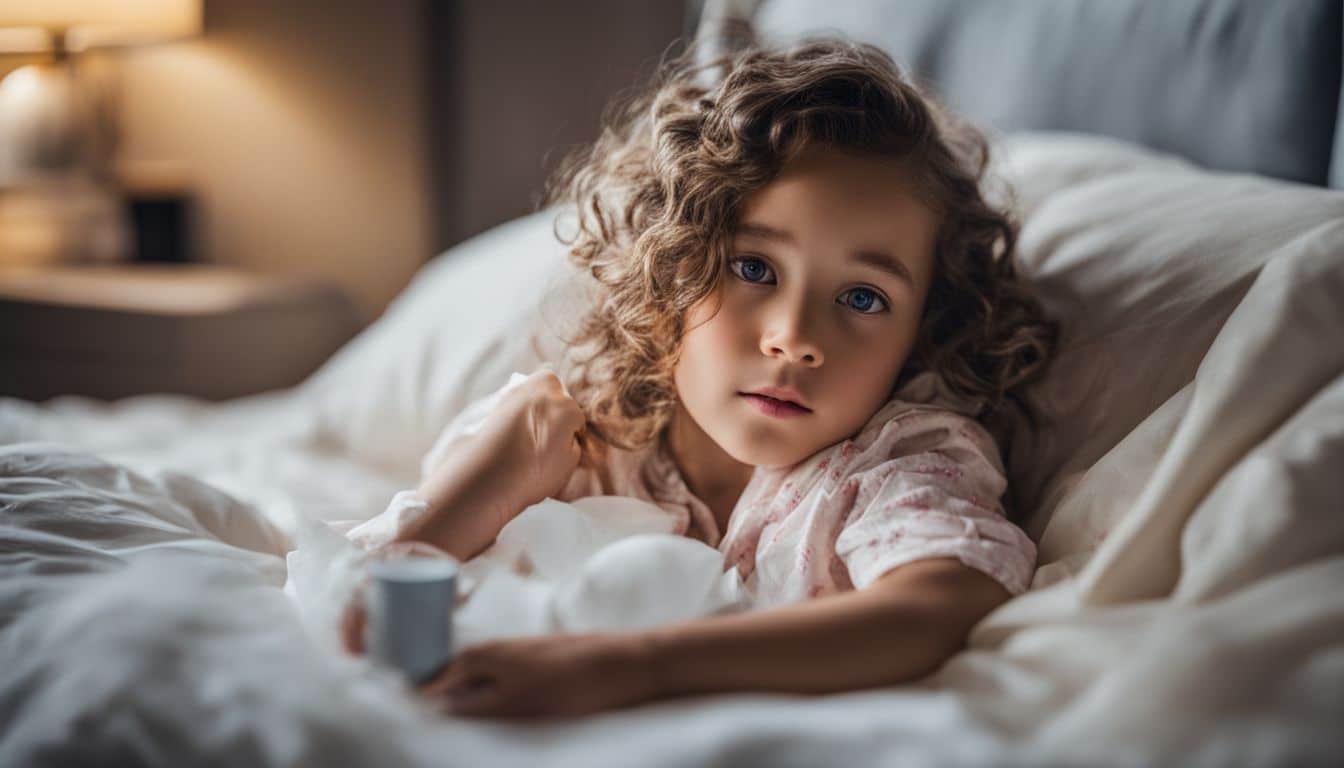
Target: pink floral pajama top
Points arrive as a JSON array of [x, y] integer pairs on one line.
[[920, 480]]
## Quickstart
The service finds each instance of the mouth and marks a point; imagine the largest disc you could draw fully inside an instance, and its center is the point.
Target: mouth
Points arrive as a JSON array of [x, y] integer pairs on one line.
[[771, 406]]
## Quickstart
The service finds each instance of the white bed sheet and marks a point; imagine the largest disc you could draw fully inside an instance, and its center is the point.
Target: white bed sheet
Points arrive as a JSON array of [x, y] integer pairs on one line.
[[1186, 609]]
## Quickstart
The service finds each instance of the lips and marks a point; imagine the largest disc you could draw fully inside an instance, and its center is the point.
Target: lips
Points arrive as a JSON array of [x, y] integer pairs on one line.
[[781, 394], [778, 408], [773, 406]]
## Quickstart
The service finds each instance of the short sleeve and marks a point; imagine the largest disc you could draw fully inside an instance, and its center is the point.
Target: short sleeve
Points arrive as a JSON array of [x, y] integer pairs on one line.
[[941, 500]]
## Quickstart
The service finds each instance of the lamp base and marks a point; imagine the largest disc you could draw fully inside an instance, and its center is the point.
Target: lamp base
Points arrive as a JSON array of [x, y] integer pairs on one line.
[[46, 124], [62, 219], [54, 204]]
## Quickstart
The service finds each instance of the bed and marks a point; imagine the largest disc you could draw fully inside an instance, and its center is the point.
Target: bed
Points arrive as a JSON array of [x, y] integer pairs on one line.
[[1177, 169]]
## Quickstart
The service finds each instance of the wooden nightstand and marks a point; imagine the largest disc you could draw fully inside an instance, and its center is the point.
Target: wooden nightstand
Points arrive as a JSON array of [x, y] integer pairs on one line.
[[210, 331]]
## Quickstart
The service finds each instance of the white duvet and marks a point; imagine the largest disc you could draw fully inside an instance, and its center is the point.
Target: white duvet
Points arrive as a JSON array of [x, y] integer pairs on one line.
[[1187, 506]]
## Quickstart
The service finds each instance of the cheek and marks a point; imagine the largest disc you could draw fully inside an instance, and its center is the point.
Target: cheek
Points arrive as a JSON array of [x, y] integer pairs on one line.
[[872, 367], [715, 332], [692, 355]]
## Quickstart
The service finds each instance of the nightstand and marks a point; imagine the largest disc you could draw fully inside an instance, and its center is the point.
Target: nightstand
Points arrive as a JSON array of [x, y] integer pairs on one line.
[[215, 332]]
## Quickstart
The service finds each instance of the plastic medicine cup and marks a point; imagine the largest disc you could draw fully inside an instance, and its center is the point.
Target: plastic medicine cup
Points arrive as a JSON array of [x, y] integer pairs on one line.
[[409, 603]]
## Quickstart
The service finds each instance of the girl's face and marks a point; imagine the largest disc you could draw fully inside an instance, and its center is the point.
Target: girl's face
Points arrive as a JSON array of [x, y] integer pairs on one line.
[[808, 305]]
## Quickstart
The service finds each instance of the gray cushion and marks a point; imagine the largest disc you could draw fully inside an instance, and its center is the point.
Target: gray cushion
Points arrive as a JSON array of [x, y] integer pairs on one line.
[[1239, 85]]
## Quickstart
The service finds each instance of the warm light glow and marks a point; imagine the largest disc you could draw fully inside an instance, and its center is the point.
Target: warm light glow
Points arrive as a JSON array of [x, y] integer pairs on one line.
[[25, 25]]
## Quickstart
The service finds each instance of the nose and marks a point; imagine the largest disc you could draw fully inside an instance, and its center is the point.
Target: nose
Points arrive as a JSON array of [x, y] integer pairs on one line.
[[790, 334]]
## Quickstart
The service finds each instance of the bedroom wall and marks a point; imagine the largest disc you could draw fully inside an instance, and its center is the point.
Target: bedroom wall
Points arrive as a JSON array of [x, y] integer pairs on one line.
[[520, 82], [304, 132], [356, 139]]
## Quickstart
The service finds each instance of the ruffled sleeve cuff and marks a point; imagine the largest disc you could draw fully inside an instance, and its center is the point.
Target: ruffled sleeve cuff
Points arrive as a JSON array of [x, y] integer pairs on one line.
[[405, 508]]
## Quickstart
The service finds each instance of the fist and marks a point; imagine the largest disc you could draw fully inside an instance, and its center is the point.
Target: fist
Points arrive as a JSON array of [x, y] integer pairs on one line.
[[536, 434]]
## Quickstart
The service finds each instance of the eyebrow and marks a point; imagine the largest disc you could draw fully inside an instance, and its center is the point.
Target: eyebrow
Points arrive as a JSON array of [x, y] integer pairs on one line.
[[874, 258]]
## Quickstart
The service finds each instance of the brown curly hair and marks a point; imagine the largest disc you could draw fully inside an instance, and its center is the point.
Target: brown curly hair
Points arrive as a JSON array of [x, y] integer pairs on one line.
[[658, 195]]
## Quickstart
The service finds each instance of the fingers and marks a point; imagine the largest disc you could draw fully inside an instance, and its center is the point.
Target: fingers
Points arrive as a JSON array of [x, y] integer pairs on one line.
[[554, 385], [575, 418], [578, 449], [558, 415], [548, 378], [450, 678], [468, 684], [480, 700], [352, 627], [467, 665], [587, 447]]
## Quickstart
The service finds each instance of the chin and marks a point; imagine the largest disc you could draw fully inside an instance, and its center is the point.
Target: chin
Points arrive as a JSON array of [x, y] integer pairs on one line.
[[764, 454]]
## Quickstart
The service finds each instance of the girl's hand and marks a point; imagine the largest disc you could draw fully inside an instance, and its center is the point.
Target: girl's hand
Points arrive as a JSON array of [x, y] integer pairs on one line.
[[549, 676], [535, 437], [527, 448], [353, 619]]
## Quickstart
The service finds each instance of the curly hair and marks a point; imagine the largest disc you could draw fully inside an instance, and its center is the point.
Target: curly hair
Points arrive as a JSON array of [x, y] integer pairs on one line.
[[658, 196]]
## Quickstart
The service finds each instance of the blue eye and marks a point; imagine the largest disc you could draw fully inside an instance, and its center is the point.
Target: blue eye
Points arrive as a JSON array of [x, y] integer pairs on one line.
[[753, 270], [872, 297]]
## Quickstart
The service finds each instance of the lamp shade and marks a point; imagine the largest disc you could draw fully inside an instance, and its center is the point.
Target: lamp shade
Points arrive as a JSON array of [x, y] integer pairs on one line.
[[27, 25]]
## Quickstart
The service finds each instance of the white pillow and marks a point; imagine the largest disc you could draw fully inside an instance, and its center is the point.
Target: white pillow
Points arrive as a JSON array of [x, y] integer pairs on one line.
[[1143, 256], [454, 335]]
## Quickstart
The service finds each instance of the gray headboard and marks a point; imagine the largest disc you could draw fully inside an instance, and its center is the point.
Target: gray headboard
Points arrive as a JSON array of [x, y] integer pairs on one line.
[[1238, 85]]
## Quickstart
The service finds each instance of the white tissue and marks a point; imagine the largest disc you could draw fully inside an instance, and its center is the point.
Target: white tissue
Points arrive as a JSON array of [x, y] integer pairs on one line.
[[602, 563], [323, 571], [645, 581]]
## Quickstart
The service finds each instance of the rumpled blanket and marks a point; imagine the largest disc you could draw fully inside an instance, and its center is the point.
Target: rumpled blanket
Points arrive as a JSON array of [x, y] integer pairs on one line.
[[1186, 611]]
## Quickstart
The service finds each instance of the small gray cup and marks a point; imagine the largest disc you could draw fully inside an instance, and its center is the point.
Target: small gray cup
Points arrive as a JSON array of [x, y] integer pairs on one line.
[[409, 604]]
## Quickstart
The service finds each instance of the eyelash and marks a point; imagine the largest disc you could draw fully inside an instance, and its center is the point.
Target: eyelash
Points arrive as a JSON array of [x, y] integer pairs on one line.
[[886, 305]]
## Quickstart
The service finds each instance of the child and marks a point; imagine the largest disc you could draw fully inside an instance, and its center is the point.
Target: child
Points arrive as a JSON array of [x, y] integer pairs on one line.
[[809, 316]]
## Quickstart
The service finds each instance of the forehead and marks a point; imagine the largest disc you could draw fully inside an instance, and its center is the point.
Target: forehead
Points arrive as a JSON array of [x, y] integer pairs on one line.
[[826, 198], [827, 174]]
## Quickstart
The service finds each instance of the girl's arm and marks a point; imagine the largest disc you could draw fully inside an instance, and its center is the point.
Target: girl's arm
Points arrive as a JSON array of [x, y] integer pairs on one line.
[[524, 451], [485, 478], [470, 501], [900, 628]]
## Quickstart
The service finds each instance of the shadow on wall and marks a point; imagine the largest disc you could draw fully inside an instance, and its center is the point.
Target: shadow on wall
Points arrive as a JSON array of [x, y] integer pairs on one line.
[[519, 83]]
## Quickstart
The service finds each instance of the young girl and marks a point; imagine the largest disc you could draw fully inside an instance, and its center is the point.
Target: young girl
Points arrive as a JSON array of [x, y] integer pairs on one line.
[[808, 329]]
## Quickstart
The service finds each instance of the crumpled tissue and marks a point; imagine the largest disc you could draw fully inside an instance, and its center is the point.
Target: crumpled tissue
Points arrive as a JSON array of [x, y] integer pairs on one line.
[[601, 563]]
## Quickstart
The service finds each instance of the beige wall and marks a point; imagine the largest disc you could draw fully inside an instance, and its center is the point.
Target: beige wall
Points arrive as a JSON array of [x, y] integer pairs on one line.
[[531, 78], [303, 134], [356, 139]]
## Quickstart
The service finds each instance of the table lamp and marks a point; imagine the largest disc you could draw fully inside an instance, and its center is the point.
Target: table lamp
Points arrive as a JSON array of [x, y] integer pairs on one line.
[[58, 198]]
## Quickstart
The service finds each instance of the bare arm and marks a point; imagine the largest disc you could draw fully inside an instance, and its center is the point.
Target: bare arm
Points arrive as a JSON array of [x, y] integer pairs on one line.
[[524, 451], [901, 628], [471, 498]]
